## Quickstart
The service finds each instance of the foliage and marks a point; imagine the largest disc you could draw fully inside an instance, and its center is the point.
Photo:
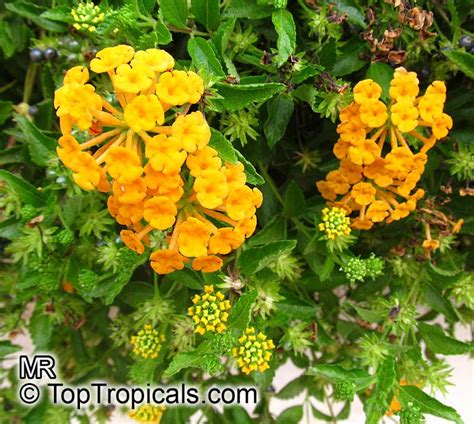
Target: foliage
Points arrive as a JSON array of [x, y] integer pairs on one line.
[[365, 313]]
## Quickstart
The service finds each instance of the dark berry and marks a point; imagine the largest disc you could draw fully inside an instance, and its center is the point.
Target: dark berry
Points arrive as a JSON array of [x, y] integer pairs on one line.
[[465, 41], [425, 72], [36, 55], [50, 53], [33, 110], [471, 50], [74, 46]]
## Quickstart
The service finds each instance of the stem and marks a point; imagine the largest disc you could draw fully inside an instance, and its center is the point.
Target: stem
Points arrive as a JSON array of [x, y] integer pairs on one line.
[[29, 81]]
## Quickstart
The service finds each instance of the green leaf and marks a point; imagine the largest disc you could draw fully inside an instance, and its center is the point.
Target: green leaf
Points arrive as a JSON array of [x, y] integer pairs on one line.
[[204, 57], [26, 191], [295, 203], [40, 146], [348, 60], [237, 96], [439, 302], [427, 404], [294, 387], [5, 109], [7, 348], [187, 277], [163, 34], [280, 109], [292, 415], [7, 43], [463, 60], [382, 74], [286, 30], [354, 14], [334, 372], [240, 314], [206, 12], [320, 415], [253, 177], [41, 330], [175, 12], [256, 258], [32, 12], [222, 146], [248, 9], [143, 371], [438, 342], [181, 361]]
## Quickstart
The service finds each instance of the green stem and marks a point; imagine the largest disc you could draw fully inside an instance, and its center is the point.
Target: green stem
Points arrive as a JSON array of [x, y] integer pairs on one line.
[[29, 81]]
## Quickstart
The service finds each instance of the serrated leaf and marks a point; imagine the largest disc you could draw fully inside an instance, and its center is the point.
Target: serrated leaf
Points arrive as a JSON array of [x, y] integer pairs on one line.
[[41, 330], [294, 387], [25, 191], [427, 404], [248, 9], [175, 12], [292, 415], [181, 361], [280, 110], [206, 12], [40, 146], [439, 302], [240, 314], [253, 177], [438, 342], [321, 415], [463, 60], [222, 146], [334, 372], [7, 348], [204, 57], [235, 96], [286, 30], [142, 372], [256, 258], [33, 12]]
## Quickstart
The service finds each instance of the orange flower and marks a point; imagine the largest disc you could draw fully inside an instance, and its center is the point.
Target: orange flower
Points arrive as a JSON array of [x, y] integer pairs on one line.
[[166, 261], [160, 212], [207, 263], [225, 240], [194, 237], [363, 193]]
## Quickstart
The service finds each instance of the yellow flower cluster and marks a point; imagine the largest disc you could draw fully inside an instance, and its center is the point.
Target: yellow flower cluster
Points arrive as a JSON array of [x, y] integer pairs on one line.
[[254, 351], [210, 311], [147, 342], [335, 223], [86, 16], [377, 179], [161, 177], [147, 414]]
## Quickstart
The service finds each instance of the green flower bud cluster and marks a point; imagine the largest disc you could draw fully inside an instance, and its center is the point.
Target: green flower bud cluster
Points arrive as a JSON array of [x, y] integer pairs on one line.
[[287, 267], [335, 223], [65, 237], [411, 415], [212, 365], [127, 258], [357, 269], [344, 390], [28, 212], [147, 342], [87, 16]]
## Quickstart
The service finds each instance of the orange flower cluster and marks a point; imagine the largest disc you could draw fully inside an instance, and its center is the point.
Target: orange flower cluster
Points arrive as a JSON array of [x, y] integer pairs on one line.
[[377, 179], [161, 177]]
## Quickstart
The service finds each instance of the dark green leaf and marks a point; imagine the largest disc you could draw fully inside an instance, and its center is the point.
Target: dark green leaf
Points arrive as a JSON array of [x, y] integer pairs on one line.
[[5, 109], [41, 330], [175, 12], [204, 57], [187, 277], [253, 177], [354, 14], [237, 96], [7, 348], [280, 109], [463, 60], [438, 342], [223, 146], [32, 12], [382, 74], [292, 415], [26, 191], [286, 30], [181, 361], [427, 404], [334, 372], [348, 60], [295, 203], [256, 258], [439, 302], [248, 9], [239, 317], [294, 387], [206, 12]]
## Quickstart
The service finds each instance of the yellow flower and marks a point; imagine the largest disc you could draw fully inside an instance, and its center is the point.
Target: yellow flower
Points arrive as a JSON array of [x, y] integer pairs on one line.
[[363, 193], [147, 342], [441, 125], [165, 154], [123, 164], [363, 152], [147, 414], [404, 85], [192, 131], [143, 113], [234, 174], [179, 87], [203, 160], [241, 203], [133, 79], [431, 244], [194, 237], [77, 74], [160, 212], [209, 263], [428, 107], [404, 115], [211, 188], [155, 59], [366, 90], [210, 311], [253, 352], [373, 113], [130, 193], [378, 211], [225, 240], [335, 223], [111, 57], [166, 261]]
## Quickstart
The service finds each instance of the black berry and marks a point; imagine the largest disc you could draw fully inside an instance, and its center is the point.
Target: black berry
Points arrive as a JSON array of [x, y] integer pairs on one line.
[[425, 72], [471, 50], [465, 41], [50, 53], [36, 55], [33, 110]]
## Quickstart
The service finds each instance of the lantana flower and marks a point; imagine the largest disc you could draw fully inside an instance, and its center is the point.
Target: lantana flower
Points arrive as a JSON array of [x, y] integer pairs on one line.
[[159, 177]]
